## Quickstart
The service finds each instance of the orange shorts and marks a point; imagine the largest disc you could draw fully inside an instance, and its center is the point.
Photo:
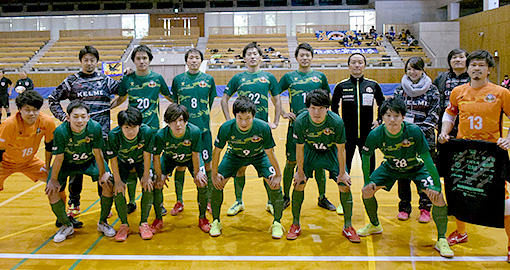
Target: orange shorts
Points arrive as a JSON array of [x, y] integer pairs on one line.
[[34, 169]]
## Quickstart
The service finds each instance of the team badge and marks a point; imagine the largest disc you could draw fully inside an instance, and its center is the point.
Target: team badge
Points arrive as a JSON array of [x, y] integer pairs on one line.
[[140, 145], [243, 79], [490, 98], [3, 83], [406, 143], [263, 80], [132, 83], [327, 131], [369, 90], [87, 139], [315, 79], [295, 78], [256, 138], [186, 142], [152, 84], [182, 84], [202, 84], [27, 83]]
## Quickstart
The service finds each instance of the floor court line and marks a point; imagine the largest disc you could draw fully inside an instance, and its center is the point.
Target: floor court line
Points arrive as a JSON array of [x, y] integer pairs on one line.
[[21, 193], [252, 258]]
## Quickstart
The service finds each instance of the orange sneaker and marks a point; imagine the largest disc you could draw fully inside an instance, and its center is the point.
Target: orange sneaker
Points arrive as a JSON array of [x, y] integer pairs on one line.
[[122, 233], [145, 231], [178, 207], [157, 226], [350, 233], [204, 225], [457, 238], [294, 232]]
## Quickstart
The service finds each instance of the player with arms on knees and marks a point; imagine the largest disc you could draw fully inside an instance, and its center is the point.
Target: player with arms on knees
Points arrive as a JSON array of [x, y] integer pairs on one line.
[[299, 83], [250, 143], [181, 142], [127, 149], [77, 150], [320, 145], [196, 91], [479, 105], [406, 155], [257, 85]]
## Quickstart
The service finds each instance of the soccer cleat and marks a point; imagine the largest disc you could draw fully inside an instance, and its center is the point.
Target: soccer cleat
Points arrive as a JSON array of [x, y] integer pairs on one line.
[[63, 233], [76, 223], [203, 224], [215, 228], [340, 209], [276, 230], [370, 229], [131, 207], [270, 209], [73, 211], [294, 232], [145, 231], [444, 248], [157, 226], [106, 229], [235, 208], [209, 208], [122, 233], [178, 207], [424, 216], [457, 238], [326, 204], [403, 216], [286, 202], [350, 233], [163, 211]]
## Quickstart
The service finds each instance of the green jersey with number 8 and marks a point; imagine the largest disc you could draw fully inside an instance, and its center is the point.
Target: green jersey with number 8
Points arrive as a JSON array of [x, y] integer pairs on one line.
[[401, 151], [178, 149], [144, 95], [77, 147]]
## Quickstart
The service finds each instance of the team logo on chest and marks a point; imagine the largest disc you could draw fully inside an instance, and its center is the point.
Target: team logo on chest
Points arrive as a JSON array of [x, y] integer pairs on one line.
[[202, 84], [489, 98], [327, 131], [406, 143], [186, 142], [27, 83], [140, 145], [152, 84], [369, 90], [3, 83], [256, 138], [315, 79], [263, 80]]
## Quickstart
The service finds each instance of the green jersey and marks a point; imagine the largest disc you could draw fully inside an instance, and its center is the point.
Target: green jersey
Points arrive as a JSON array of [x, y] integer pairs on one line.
[[196, 92], [179, 149], [299, 84], [248, 143], [144, 95], [401, 151], [257, 87], [320, 137], [128, 151], [77, 147]]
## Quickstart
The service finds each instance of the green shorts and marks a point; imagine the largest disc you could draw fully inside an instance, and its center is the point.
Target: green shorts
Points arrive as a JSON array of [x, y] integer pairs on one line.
[[321, 160], [386, 177], [89, 168], [230, 164], [290, 145], [125, 170], [168, 165], [206, 147]]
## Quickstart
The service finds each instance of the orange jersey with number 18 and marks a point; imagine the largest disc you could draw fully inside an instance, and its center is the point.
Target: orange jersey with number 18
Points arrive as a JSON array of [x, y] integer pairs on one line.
[[21, 141], [480, 111]]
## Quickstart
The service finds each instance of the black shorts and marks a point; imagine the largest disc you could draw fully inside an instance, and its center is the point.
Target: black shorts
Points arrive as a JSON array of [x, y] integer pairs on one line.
[[4, 101]]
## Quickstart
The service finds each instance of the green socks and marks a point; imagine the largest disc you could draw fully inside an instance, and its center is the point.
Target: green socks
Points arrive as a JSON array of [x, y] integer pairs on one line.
[[346, 200], [59, 209], [288, 175], [202, 201], [297, 201], [239, 182], [216, 201], [120, 205], [320, 177], [147, 200], [131, 187], [158, 202], [209, 186], [179, 184], [440, 216], [106, 206], [276, 196], [371, 208]]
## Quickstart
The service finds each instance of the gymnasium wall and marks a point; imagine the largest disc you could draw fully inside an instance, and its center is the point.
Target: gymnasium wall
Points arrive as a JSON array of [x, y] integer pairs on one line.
[[495, 24]]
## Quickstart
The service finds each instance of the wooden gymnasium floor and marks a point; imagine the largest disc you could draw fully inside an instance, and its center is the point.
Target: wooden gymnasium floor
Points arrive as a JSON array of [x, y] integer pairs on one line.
[[27, 227]]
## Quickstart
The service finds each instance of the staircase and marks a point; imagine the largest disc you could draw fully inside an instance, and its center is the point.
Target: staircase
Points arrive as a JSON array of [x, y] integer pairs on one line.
[[292, 44], [28, 65], [395, 58]]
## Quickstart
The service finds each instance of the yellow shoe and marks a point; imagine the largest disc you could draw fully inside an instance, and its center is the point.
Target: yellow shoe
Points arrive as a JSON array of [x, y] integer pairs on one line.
[[444, 248], [270, 209], [215, 228], [276, 230], [370, 229], [235, 208], [340, 209]]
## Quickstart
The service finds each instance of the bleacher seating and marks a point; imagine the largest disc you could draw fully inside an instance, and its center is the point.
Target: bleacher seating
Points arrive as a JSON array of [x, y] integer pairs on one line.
[[15, 52], [172, 43], [405, 51]]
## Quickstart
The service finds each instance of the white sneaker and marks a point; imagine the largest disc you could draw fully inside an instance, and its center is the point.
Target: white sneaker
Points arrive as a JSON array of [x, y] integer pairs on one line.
[[106, 229], [63, 233]]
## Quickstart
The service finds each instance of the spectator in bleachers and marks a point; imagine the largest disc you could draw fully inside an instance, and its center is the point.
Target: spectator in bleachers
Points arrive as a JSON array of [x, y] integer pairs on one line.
[[421, 98], [506, 82], [372, 30], [24, 80], [379, 40], [4, 94]]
